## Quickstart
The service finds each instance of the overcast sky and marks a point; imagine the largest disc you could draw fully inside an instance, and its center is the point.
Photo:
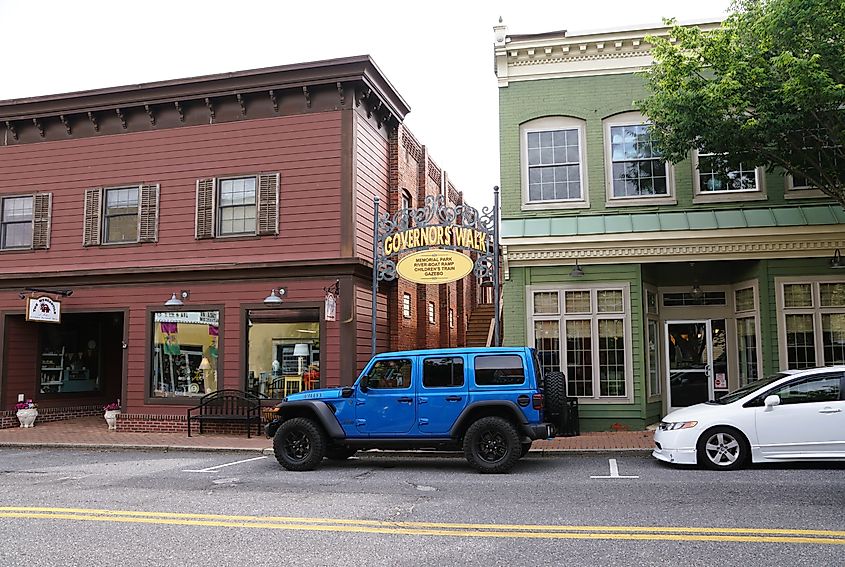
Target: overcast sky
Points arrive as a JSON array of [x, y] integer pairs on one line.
[[438, 54]]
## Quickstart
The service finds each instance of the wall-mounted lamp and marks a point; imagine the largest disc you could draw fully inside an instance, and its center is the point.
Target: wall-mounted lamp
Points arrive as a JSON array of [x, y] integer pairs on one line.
[[696, 291], [273, 299], [577, 271], [177, 299], [836, 262]]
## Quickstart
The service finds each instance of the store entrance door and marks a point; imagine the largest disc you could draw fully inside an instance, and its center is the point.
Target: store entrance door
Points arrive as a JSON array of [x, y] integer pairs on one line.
[[689, 356]]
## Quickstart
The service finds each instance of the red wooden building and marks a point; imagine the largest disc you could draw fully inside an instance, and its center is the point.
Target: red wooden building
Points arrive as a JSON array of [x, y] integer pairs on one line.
[[214, 192]]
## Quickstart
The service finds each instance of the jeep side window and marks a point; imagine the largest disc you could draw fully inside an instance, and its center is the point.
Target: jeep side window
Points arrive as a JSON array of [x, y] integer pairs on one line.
[[443, 372], [392, 373], [499, 370]]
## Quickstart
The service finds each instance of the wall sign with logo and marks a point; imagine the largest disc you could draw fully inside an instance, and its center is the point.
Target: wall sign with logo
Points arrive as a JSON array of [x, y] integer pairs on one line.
[[43, 309]]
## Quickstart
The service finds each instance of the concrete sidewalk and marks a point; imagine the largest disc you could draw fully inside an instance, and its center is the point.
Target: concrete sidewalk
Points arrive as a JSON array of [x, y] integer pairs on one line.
[[91, 432]]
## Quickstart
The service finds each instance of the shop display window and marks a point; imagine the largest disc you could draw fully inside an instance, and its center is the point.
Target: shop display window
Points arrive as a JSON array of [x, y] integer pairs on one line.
[[284, 354], [185, 353], [70, 359]]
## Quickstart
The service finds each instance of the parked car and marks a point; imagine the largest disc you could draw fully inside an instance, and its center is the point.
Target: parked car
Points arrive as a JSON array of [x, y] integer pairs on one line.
[[489, 402], [792, 416]]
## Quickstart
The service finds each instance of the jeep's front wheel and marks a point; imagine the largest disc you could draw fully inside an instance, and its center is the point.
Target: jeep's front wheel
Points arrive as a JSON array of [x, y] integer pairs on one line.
[[299, 444], [492, 445]]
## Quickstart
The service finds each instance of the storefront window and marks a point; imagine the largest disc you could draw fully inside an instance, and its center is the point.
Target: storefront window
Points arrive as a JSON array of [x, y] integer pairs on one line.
[[71, 355], [284, 353], [813, 324], [185, 353]]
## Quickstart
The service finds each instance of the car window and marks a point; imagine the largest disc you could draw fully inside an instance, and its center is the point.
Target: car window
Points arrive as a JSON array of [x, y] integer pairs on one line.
[[817, 388], [391, 373], [499, 370], [443, 372]]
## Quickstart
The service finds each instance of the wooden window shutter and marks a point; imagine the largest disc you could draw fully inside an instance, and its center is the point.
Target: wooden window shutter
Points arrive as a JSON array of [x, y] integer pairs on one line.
[[268, 204], [42, 204], [148, 213], [205, 208], [91, 230]]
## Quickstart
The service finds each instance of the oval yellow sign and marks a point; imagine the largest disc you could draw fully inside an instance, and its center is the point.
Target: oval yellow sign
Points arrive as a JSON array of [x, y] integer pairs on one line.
[[434, 266]]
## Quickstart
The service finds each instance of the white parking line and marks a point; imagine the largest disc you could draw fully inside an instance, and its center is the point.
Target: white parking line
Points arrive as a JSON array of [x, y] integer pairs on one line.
[[213, 469], [614, 471]]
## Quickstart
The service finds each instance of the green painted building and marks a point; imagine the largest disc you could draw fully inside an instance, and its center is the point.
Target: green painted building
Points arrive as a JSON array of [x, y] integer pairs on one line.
[[652, 286]]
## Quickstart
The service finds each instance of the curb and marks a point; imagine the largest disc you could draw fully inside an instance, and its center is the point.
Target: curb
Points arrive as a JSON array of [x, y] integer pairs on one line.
[[129, 447]]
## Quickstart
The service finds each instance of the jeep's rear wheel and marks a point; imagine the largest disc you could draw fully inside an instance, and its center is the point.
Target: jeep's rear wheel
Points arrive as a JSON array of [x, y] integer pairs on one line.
[[339, 453], [554, 391], [492, 445], [299, 444]]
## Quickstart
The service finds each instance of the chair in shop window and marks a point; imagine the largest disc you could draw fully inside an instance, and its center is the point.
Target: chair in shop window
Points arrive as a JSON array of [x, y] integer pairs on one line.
[[293, 384]]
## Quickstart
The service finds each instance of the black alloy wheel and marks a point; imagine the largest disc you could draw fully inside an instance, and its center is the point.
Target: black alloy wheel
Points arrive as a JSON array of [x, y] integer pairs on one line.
[[299, 444], [492, 445]]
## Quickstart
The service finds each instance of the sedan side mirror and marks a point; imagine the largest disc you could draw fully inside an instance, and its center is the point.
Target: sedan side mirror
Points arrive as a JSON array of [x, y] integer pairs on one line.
[[772, 401]]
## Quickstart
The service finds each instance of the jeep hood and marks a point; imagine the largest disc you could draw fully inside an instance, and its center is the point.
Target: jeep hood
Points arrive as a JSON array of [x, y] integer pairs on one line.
[[323, 394]]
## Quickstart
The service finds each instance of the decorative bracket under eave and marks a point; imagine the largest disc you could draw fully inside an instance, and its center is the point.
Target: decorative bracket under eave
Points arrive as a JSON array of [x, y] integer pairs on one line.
[[39, 125], [340, 93], [93, 118], [150, 114], [180, 110], [121, 117], [11, 129], [242, 103], [210, 105], [307, 97], [65, 123], [274, 100]]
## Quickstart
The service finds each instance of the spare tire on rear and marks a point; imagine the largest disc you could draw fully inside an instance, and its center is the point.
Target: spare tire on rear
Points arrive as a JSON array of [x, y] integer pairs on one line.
[[555, 395]]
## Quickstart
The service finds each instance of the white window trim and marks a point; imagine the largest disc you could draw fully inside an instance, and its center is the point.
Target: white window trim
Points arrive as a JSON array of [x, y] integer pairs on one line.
[[218, 217], [753, 284], [409, 305], [652, 316], [632, 119], [800, 192], [756, 194], [594, 318], [816, 311], [31, 221], [544, 125]]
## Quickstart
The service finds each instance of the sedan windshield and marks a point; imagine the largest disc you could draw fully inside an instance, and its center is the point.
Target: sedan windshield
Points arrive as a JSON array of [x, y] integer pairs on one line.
[[749, 388]]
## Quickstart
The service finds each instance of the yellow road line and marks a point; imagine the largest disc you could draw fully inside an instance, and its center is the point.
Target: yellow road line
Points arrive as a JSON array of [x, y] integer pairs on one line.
[[435, 532], [436, 525]]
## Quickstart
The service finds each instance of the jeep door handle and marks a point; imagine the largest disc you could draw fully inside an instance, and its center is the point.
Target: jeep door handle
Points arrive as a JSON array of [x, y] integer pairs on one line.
[[829, 410], [453, 398], [404, 400]]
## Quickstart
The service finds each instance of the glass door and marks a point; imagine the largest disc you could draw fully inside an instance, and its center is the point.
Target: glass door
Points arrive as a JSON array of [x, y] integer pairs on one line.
[[689, 355]]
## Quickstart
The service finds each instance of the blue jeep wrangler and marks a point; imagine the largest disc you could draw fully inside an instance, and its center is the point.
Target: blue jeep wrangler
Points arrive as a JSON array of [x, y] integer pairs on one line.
[[490, 402]]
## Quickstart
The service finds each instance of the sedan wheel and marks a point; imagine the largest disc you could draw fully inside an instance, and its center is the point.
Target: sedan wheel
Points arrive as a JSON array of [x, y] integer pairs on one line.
[[722, 449]]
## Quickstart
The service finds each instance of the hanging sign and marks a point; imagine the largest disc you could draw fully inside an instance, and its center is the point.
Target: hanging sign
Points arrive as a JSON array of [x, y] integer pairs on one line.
[[43, 310], [429, 243], [331, 307], [434, 266]]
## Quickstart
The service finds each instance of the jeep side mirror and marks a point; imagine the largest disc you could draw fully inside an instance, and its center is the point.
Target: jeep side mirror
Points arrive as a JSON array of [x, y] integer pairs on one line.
[[363, 385], [772, 401], [346, 392]]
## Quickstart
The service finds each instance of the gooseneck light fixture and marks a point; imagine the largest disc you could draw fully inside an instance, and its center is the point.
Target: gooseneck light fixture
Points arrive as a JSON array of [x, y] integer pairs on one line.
[[273, 299], [577, 271], [836, 262], [177, 299]]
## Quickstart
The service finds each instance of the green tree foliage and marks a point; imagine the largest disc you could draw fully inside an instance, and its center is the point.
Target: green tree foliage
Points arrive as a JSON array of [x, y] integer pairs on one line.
[[767, 87]]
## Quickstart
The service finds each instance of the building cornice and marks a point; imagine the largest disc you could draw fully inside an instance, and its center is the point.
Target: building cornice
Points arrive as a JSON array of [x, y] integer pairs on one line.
[[258, 93], [746, 244], [556, 54]]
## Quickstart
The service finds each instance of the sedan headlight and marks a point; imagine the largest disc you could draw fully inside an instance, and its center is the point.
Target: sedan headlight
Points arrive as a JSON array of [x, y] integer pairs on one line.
[[673, 425]]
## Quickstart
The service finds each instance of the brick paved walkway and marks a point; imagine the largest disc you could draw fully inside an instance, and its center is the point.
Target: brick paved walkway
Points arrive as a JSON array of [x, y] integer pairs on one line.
[[92, 432]]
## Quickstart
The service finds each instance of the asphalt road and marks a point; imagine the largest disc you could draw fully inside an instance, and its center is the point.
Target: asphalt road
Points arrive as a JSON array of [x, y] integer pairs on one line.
[[73, 507]]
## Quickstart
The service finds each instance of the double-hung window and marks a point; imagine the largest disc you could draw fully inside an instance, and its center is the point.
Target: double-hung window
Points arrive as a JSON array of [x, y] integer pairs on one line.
[[16, 224], [553, 160], [745, 309], [584, 331], [715, 180], [245, 205], [406, 305], [636, 172], [811, 323], [120, 215]]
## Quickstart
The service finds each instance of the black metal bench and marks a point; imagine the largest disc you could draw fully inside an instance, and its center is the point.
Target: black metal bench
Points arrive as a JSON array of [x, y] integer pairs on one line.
[[227, 405]]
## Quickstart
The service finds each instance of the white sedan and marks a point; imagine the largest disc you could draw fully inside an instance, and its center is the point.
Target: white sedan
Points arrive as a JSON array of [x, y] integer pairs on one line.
[[791, 416]]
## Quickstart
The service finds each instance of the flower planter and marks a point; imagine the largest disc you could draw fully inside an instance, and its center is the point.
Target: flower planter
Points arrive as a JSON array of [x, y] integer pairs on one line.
[[27, 416], [111, 418]]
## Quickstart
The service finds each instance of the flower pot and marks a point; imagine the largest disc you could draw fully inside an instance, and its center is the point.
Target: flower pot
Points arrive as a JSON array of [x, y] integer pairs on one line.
[[27, 416], [111, 418]]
